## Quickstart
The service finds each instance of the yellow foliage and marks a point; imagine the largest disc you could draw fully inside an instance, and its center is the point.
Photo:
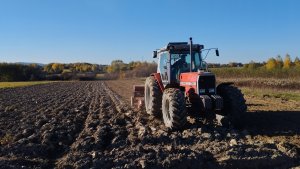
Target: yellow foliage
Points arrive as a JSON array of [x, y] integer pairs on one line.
[[271, 64], [109, 69], [287, 62], [57, 68]]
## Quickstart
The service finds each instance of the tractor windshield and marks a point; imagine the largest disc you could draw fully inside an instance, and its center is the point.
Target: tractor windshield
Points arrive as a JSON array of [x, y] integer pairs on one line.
[[182, 62]]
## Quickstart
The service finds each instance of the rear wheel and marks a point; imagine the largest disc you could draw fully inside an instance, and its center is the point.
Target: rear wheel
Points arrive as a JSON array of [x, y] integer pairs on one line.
[[234, 104], [173, 108], [153, 96]]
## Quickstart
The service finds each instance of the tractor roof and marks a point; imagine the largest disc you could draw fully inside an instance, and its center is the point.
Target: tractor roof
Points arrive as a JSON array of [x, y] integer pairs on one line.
[[183, 46]]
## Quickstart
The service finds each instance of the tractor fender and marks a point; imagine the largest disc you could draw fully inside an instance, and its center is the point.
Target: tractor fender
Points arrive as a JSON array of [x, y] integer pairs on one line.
[[224, 84], [159, 81]]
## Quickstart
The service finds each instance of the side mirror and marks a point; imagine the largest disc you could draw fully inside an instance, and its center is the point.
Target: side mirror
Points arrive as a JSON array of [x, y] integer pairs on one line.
[[217, 52], [154, 54]]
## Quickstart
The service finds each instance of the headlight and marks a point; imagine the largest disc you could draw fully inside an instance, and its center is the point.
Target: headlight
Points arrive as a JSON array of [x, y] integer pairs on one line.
[[212, 90], [202, 91]]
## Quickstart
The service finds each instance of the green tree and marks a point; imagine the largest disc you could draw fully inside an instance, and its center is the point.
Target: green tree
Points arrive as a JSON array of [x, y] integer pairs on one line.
[[95, 68], [253, 65], [279, 62], [18, 72], [116, 66], [297, 62]]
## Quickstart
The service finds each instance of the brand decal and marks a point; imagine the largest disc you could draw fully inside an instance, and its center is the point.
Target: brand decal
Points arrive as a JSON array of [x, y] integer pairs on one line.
[[188, 83]]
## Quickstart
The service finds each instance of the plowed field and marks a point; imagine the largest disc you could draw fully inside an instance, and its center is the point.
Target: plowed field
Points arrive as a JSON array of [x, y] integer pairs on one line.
[[90, 125]]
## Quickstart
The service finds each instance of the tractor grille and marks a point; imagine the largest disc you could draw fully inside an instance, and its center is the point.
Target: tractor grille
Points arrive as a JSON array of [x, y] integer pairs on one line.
[[206, 85]]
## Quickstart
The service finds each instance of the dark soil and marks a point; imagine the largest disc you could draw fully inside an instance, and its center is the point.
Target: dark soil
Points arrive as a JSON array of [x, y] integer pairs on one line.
[[87, 125]]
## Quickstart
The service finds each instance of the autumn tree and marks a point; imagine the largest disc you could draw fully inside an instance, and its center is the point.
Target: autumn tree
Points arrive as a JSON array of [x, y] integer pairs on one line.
[[287, 62], [57, 68], [48, 68], [297, 62], [271, 64], [94, 68]]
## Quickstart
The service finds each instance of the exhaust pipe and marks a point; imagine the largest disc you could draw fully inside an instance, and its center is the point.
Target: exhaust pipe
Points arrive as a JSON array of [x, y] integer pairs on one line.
[[191, 52]]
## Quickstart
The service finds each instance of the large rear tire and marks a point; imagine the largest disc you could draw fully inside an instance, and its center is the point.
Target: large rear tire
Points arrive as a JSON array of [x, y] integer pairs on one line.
[[173, 108], [153, 97], [234, 106]]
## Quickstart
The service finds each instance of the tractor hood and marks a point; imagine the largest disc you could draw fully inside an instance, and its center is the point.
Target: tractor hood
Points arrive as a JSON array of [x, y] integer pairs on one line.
[[201, 82], [193, 76]]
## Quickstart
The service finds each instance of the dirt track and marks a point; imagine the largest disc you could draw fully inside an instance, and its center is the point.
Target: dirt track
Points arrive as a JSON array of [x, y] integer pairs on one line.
[[87, 125]]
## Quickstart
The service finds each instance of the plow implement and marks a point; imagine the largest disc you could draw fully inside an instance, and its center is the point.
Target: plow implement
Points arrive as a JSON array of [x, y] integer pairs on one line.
[[137, 98]]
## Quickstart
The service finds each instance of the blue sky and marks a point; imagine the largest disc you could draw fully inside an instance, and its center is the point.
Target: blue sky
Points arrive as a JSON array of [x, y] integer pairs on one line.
[[99, 31]]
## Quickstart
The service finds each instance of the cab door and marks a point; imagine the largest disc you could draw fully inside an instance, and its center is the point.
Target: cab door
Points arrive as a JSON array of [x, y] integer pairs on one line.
[[163, 67]]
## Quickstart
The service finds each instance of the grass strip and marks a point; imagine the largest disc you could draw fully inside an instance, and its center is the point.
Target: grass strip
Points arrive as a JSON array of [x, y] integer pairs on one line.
[[273, 93], [21, 84]]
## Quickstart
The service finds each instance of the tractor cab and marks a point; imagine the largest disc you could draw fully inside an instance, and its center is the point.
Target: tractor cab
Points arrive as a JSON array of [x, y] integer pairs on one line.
[[176, 58]]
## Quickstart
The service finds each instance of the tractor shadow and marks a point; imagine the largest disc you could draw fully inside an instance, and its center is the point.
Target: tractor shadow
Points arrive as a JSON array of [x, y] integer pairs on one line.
[[273, 123]]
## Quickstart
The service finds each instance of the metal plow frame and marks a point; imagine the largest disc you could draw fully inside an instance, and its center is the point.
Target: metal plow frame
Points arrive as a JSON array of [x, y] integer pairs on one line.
[[137, 100]]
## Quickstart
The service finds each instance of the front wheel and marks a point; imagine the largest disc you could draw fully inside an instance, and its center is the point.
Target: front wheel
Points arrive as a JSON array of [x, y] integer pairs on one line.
[[153, 96], [173, 108], [234, 104]]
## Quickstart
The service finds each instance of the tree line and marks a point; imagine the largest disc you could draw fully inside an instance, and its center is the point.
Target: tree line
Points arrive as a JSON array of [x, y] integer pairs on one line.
[[57, 68], [74, 71], [275, 67], [19, 72], [119, 69], [271, 64], [51, 71], [278, 63]]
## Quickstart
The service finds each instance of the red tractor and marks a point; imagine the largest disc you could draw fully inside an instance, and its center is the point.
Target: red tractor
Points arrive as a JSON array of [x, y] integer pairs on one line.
[[183, 85]]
